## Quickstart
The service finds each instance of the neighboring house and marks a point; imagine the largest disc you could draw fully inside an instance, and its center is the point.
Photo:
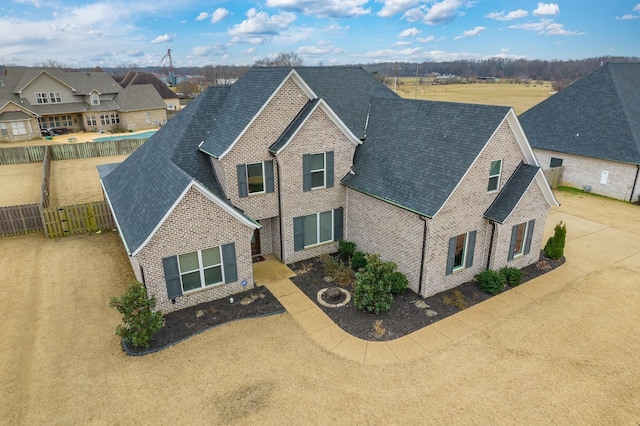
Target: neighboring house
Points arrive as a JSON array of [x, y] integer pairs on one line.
[[132, 78], [592, 129], [291, 161], [39, 98]]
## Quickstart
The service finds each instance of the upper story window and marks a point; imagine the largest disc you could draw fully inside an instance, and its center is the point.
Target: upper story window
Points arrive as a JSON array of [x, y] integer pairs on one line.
[[255, 178], [55, 97], [41, 98], [95, 99], [494, 175], [317, 170]]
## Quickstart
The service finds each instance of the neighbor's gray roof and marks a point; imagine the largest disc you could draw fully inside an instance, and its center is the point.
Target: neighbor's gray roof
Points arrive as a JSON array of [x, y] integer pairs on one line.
[[136, 97], [347, 90], [136, 78], [597, 116], [143, 188], [82, 82], [14, 116], [416, 152], [511, 193]]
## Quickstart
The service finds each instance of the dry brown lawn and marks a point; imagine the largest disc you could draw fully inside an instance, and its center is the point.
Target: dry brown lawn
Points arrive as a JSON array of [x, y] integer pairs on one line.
[[20, 184], [519, 96], [572, 357]]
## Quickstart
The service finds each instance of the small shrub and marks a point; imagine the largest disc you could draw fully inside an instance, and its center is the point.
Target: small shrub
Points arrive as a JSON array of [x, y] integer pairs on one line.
[[330, 265], [346, 250], [344, 275], [399, 282], [512, 276], [378, 329], [358, 260], [455, 299], [491, 281], [139, 322], [373, 288], [554, 248]]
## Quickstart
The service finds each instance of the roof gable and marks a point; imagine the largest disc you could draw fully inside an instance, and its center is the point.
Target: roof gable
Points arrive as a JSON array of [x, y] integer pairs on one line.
[[511, 193], [139, 97]]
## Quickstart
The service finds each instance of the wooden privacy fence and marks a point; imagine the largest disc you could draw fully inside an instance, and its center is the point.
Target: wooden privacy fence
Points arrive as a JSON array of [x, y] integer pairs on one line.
[[22, 155], [554, 176], [46, 179], [77, 219], [18, 220]]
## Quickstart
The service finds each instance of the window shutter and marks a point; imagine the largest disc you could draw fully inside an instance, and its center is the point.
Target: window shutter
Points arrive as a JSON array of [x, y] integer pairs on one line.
[[329, 166], [172, 276], [268, 175], [451, 255], [338, 219], [298, 233], [306, 172], [471, 244], [243, 190], [229, 261], [527, 244], [512, 245]]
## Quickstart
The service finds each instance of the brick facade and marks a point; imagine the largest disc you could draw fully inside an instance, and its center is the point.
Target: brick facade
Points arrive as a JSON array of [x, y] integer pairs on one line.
[[31, 126], [138, 120], [196, 223], [582, 171]]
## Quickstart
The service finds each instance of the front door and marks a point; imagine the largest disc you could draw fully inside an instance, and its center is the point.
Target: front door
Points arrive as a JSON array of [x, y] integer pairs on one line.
[[255, 243]]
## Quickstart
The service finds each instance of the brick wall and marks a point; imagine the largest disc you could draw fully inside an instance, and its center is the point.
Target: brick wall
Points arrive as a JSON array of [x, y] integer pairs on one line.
[[195, 224], [137, 120], [30, 135], [580, 171]]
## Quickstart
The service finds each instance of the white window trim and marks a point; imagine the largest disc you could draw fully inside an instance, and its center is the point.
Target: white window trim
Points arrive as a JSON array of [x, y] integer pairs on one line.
[[201, 269], [95, 99], [18, 128], [498, 175], [524, 241], [264, 179], [4, 130], [323, 169], [42, 98], [464, 253], [319, 243], [56, 98]]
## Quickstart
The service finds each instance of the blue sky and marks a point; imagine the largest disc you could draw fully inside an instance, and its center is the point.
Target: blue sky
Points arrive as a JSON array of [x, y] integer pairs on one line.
[[114, 33]]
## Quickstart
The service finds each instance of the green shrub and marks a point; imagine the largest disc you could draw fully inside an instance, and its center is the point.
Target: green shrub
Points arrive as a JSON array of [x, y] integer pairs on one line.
[[345, 250], [373, 286], [139, 322], [491, 281], [512, 276], [399, 282], [344, 275], [358, 260], [554, 248], [330, 264]]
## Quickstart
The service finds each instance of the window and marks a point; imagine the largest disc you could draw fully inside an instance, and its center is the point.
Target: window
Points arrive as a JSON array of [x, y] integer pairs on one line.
[[3, 129], [42, 122], [255, 178], [317, 171], [54, 97], [115, 118], [148, 117], [95, 99], [521, 235], [67, 121], [461, 251], [41, 98], [91, 120], [494, 175], [54, 121], [317, 228], [104, 119], [200, 269], [555, 162], [18, 128]]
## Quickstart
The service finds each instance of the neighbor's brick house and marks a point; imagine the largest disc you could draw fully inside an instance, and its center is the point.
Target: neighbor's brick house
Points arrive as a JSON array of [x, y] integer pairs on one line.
[[290, 161]]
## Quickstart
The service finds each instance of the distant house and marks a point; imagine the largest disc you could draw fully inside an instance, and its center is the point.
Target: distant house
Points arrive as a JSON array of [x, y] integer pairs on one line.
[[40, 98], [289, 161], [133, 78], [592, 129]]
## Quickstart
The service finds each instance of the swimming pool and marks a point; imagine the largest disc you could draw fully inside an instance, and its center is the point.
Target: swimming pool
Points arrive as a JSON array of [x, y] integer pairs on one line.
[[143, 135]]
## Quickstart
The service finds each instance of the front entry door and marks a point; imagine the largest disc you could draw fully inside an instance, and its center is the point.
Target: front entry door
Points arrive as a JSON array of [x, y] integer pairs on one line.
[[255, 243]]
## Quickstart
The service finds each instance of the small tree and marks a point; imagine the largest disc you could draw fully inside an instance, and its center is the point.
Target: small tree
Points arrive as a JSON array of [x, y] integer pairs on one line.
[[139, 322], [346, 249], [554, 248], [491, 281], [375, 284]]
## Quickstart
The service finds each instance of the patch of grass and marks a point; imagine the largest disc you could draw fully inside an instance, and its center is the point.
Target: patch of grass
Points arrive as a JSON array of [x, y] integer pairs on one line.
[[578, 191], [378, 328], [456, 298]]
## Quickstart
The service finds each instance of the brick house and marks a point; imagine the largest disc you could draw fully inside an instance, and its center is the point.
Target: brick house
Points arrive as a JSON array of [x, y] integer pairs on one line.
[[40, 98], [592, 129], [290, 161]]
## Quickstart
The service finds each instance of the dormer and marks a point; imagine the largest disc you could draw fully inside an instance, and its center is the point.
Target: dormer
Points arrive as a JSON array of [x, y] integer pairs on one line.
[[94, 97]]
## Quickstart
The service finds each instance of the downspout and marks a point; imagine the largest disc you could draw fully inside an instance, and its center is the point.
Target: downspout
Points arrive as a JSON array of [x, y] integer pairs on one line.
[[493, 231], [422, 257], [635, 181], [280, 208]]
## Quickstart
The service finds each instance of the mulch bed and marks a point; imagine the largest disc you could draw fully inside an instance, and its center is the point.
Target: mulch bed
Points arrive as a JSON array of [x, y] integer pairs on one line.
[[188, 322], [409, 312]]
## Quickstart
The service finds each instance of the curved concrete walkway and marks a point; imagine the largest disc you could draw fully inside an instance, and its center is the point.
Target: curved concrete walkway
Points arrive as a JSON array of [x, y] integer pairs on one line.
[[583, 237]]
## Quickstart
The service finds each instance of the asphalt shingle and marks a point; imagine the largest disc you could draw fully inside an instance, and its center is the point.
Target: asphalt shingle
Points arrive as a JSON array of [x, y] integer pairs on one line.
[[511, 193]]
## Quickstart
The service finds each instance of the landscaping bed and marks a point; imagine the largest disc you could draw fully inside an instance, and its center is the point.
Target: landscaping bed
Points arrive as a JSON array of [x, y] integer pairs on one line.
[[409, 312]]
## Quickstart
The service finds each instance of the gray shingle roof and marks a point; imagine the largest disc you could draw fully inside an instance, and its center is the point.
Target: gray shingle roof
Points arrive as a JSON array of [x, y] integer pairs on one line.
[[82, 82], [14, 116], [139, 97], [416, 152], [135, 78], [597, 116], [511, 193], [145, 186], [293, 127]]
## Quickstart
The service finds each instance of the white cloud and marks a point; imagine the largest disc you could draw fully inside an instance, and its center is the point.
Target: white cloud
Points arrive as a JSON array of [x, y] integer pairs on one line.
[[249, 51], [219, 14], [321, 48], [546, 27], [260, 23], [323, 8], [439, 13], [426, 40], [135, 53], [335, 28], [390, 53], [162, 39], [201, 50], [510, 16], [95, 33], [410, 32], [202, 16], [546, 9], [403, 43], [469, 33], [393, 7], [630, 16], [35, 3]]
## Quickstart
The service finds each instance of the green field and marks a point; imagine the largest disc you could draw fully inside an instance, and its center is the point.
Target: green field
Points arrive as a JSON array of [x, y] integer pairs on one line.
[[519, 96]]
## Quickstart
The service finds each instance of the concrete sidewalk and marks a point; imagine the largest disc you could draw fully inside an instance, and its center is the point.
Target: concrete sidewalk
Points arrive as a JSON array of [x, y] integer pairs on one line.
[[590, 246]]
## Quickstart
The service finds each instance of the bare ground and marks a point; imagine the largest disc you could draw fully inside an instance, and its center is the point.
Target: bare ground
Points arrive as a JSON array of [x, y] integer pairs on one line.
[[570, 358], [20, 184]]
